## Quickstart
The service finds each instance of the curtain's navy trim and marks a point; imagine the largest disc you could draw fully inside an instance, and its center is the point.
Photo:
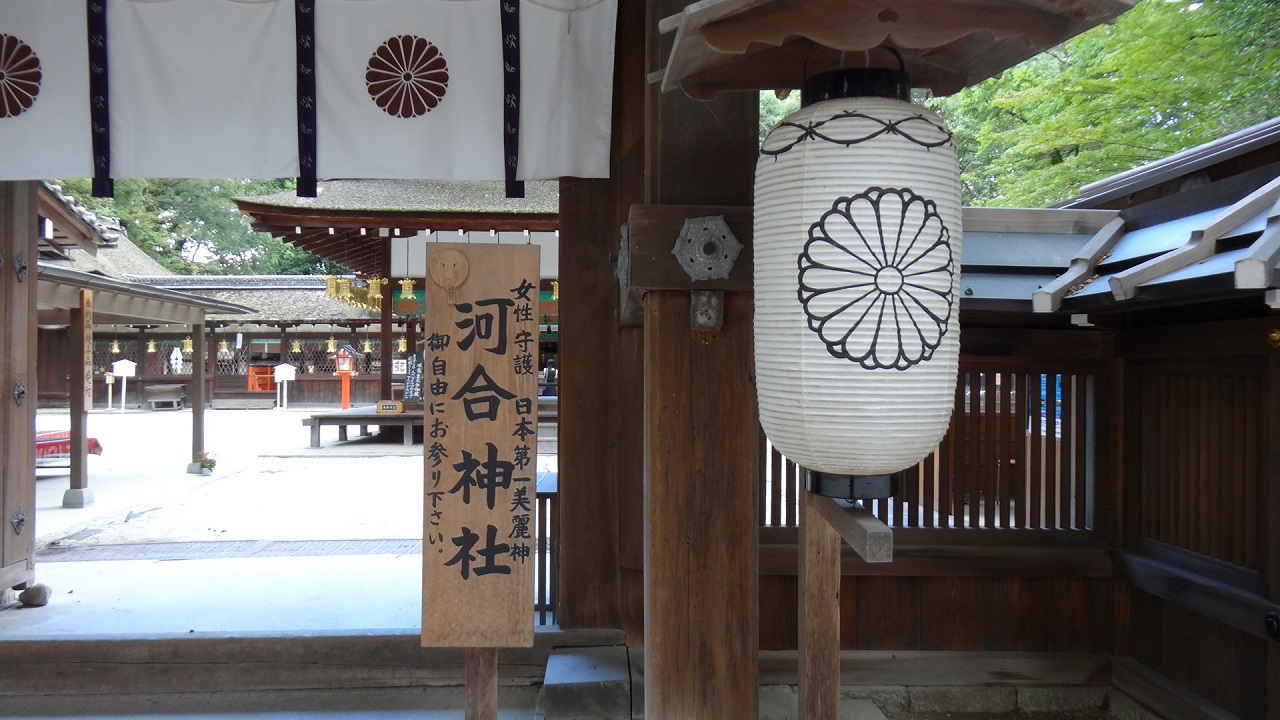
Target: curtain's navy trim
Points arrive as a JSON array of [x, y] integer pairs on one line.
[[511, 95], [99, 99], [305, 28]]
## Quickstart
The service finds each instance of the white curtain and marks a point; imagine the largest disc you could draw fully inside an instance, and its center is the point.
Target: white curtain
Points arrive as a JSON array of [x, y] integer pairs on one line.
[[208, 88], [567, 73], [460, 138], [47, 135]]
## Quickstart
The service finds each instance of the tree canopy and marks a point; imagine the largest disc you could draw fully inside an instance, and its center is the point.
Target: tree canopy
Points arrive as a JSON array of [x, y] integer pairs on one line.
[[191, 226], [1166, 76]]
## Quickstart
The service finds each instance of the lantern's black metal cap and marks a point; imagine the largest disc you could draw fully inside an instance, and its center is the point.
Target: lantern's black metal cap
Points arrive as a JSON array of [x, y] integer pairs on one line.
[[856, 82]]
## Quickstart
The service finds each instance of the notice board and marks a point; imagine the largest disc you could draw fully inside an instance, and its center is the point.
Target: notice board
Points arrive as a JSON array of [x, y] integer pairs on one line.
[[480, 445]]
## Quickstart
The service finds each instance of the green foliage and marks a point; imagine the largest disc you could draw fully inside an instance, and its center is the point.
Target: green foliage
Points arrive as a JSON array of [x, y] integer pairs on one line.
[[1168, 75], [772, 110], [191, 226]]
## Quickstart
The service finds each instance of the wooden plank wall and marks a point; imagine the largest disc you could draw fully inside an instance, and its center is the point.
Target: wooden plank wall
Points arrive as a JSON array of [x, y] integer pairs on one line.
[[1201, 540]]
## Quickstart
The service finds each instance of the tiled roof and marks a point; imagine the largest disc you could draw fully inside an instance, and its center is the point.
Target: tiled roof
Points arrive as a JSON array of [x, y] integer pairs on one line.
[[420, 196]]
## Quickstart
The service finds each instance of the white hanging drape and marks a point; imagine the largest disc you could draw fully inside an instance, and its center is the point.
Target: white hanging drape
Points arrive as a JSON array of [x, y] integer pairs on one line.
[[208, 88]]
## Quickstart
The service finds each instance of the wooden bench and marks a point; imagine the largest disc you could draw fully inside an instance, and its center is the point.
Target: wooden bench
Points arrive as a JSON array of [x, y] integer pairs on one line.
[[362, 417], [172, 397]]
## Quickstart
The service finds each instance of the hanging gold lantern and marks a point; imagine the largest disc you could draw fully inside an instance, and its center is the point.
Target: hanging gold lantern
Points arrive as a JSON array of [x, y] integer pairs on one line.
[[366, 347], [332, 345], [330, 286], [402, 345], [856, 354], [344, 289], [115, 347], [406, 289], [555, 290], [187, 345], [222, 346], [295, 346], [151, 346]]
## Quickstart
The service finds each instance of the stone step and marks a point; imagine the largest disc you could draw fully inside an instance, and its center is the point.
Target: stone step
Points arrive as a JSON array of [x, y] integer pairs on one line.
[[587, 683]]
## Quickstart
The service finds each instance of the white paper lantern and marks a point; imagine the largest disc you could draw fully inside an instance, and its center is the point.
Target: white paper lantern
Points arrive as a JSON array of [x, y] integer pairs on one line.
[[857, 265]]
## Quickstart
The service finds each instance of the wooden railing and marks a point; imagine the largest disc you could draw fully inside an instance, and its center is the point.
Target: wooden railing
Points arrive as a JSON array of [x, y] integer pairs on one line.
[[1018, 454]]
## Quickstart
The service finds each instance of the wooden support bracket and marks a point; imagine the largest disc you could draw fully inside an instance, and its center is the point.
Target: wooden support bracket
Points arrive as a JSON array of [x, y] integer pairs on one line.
[[862, 531], [651, 233]]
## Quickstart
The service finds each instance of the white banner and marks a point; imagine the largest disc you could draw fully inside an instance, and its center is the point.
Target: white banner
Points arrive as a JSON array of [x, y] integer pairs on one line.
[[202, 88], [409, 89], [566, 56], [406, 89], [44, 94]]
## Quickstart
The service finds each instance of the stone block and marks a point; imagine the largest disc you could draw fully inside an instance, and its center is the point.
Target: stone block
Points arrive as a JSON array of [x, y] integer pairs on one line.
[[1061, 699], [889, 698], [587, 683], [963, 699]]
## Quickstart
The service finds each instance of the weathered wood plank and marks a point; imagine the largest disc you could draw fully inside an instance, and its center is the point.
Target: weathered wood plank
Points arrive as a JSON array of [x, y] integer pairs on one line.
[[819, 626], [481, 684], [701, 632], [1223, 603], [865, 534], [18, 382], [935, 668], [81, 395], [652, 233]]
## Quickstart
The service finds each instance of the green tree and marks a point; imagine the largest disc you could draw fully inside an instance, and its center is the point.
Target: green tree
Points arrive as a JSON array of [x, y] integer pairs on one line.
[[191, 226], [1168, 75], [772, 110]]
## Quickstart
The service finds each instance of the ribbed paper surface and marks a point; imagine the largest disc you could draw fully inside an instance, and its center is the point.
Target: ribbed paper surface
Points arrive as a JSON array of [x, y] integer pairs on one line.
[[864, 207]]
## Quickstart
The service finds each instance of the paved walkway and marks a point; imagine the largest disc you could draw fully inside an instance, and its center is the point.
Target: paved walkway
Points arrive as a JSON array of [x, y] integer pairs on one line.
[[280, 538]]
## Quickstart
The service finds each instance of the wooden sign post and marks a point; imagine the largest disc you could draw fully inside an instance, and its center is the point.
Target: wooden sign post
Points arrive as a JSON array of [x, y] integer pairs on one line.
[[479, 390]]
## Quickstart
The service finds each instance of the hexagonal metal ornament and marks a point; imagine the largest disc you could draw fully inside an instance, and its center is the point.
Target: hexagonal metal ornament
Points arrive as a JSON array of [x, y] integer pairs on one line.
[[707, 248]]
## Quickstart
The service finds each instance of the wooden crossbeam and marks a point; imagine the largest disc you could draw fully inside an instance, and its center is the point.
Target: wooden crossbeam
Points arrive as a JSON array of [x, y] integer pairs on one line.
[[862, 531]]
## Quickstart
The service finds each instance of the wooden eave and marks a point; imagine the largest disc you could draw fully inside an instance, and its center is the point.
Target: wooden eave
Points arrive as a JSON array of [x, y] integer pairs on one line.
[[946, 45], [118, 302], [69, 229], [359, 239]]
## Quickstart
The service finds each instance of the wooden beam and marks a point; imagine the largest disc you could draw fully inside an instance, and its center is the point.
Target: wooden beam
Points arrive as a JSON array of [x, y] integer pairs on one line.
[[481, 684], [19, 213], [701, 605], [81, 366], [866, 534], [652, 232], [200, 358], [1228, 605], [819, 584]]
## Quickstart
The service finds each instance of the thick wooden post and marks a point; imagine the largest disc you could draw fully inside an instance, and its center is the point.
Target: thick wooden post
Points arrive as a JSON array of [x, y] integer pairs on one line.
[[1269, 537], [18, 233], [701, 600], [594, 425], [81, 365], [199, 359], [385, 341], [819, 587]]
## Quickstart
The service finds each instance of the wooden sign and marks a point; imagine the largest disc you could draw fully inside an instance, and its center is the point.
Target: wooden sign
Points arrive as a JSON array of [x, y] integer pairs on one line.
[[390, 407], [86, 345], [480, 445], [413, 378]]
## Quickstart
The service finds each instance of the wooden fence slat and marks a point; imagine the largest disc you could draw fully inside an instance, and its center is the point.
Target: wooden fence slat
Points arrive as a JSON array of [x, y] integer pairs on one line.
[[1250, 475], [1035, 516], [1085, 439], [776, 467], [928, 495]]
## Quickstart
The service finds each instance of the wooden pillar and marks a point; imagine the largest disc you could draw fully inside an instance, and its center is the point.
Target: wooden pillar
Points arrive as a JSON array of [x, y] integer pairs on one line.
[[200, 360], [819, 588], [385, 341], [80, 361], [702, 428], [595, 373], [18, 233]]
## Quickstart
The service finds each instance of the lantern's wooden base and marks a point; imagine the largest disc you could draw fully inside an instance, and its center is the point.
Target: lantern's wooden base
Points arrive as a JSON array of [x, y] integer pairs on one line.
[[850, 487]]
